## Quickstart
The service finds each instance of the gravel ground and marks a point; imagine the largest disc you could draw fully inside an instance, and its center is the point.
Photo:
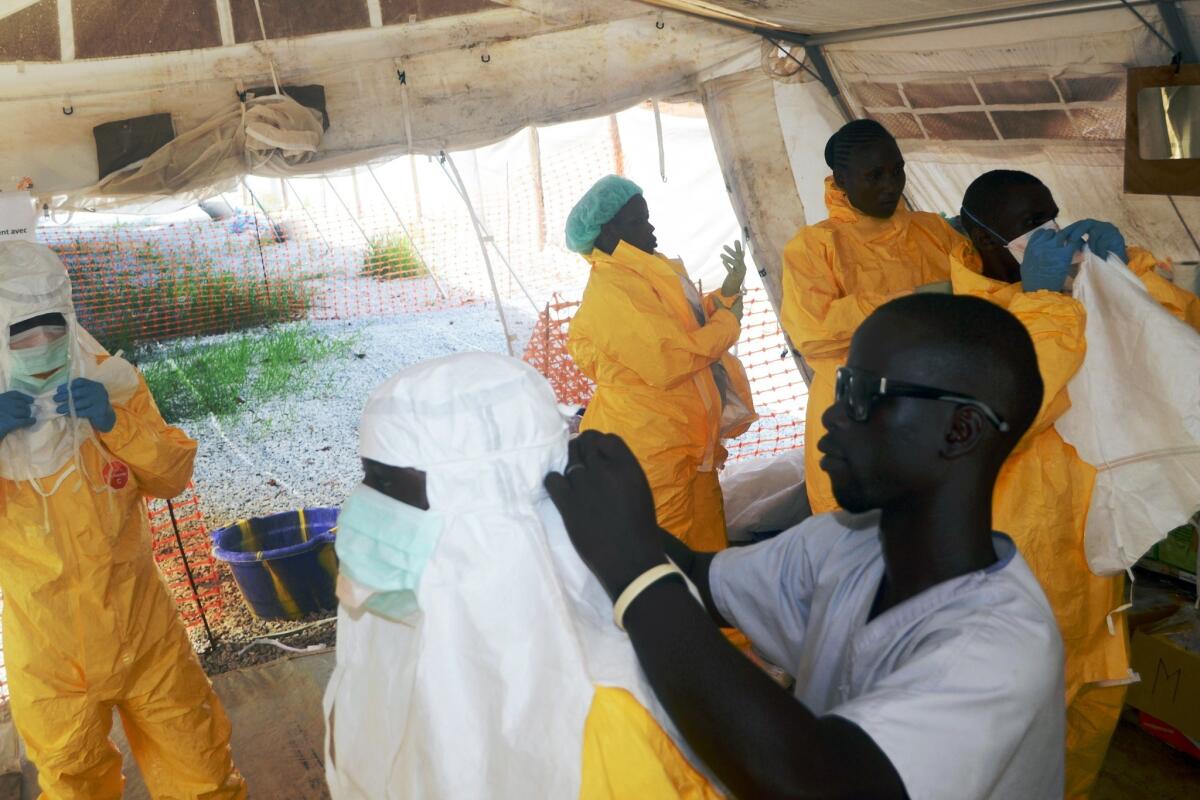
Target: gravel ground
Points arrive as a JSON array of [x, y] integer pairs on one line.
[[301, 450]]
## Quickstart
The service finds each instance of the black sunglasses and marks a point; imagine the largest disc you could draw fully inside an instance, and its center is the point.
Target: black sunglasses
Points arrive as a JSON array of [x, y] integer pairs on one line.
[[858, 390]]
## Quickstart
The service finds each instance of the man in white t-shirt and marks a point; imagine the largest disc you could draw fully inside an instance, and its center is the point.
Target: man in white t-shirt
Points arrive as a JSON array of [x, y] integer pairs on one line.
[[927, 661]]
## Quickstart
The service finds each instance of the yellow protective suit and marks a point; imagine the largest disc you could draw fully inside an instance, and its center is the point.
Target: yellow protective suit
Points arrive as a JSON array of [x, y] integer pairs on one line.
[[1041, 499], [835, 273], [627, 754], [89, 626], [1179, 301], [638, 338]]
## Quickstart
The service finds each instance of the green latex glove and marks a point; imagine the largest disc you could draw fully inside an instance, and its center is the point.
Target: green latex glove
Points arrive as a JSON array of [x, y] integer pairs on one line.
[[734, 259]]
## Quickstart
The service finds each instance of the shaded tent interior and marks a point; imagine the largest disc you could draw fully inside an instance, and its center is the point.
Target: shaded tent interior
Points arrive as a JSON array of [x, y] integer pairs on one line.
[[1044, 93]]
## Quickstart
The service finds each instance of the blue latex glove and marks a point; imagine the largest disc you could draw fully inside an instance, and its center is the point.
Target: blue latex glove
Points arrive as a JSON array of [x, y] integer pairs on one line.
[[1103, 238], [91, 403], [16, 411], [1048, 259]]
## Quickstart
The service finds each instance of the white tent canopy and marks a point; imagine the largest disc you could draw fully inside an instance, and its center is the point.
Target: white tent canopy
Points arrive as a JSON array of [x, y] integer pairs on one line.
[[1044, 94]]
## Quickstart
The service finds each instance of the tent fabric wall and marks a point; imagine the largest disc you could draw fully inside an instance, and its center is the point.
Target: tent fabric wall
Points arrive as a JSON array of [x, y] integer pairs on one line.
[[468, 82], [474, 78], [752, 151], [1082, 163]]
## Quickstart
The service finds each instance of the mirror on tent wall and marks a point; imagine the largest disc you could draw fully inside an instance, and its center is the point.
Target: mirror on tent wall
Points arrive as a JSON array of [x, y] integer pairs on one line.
[[1162, 130], [1168, 122]]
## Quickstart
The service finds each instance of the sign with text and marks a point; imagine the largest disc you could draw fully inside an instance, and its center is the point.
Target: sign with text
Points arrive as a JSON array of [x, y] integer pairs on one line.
[[18, 217]]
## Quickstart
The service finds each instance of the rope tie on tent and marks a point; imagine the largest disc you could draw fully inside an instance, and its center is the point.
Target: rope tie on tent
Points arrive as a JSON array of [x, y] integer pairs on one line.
[[407, 233], [457, 181], [262, 27], [662, 153], [406, 115]]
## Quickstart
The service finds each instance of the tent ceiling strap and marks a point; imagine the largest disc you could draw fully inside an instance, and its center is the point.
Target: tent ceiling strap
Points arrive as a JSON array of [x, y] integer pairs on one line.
[[954, 21], [262, 27], [1146, 24], [1168, 11], [816, 55]]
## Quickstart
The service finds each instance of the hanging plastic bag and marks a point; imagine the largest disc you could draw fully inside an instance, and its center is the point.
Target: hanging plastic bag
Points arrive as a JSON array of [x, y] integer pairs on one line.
[[1134, 416], [763, 495]]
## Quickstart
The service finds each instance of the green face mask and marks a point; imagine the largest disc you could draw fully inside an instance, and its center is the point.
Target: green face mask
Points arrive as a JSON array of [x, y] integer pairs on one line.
[[50, 358], [383, 544]]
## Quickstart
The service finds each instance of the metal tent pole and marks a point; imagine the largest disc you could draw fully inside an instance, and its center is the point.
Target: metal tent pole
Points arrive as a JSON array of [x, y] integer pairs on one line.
[[212, 642], [456, 179], [461, 188]]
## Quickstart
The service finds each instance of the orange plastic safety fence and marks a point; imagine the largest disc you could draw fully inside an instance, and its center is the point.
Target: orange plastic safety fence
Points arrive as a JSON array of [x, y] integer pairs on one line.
[[313, 249], [547, 352], [3, 670], [780, 394], [178, 531]]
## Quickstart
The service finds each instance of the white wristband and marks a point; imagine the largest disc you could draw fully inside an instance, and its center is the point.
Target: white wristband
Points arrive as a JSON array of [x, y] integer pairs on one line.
[[638, 585]]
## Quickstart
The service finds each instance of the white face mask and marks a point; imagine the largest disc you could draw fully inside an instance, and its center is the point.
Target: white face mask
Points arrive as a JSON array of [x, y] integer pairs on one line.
[[1017, 246]]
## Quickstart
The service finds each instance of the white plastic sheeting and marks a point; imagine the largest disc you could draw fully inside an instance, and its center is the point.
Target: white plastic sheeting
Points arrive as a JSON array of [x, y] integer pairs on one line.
[[1134, 416], [273, 136], [764, 495]]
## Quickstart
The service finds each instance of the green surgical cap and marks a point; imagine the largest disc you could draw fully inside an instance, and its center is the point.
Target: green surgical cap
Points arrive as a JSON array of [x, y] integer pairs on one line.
[[597, 208]]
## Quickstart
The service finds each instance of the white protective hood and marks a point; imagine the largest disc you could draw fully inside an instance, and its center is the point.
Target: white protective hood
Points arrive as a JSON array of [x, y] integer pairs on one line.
[[34, 281], [484, 693]]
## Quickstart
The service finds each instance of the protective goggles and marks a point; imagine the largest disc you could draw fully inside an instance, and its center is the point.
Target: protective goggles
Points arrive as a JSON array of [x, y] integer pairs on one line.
[[857, 390]]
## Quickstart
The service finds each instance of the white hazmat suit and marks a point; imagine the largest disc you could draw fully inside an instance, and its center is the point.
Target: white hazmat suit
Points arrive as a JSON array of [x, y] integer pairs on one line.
[[507, 677]]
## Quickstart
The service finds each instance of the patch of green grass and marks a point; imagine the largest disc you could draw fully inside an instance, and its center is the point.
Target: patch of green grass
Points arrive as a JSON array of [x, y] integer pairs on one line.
[[191, 380], [126, 296], [392, 256]]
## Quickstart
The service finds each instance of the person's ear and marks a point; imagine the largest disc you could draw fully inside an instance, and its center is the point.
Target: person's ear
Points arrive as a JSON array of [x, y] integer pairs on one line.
[[964, 432], [608, 239], [984, 242]]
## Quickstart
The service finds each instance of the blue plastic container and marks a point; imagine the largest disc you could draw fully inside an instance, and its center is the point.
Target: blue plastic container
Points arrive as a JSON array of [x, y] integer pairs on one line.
[[284, 564]]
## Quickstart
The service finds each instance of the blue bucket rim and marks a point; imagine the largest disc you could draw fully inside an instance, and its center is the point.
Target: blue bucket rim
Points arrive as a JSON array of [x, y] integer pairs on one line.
[[258, 556]]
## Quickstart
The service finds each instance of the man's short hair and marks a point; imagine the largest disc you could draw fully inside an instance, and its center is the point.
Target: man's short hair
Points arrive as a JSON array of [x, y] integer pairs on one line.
[[980, 197], [851, 136], [981, 340]]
